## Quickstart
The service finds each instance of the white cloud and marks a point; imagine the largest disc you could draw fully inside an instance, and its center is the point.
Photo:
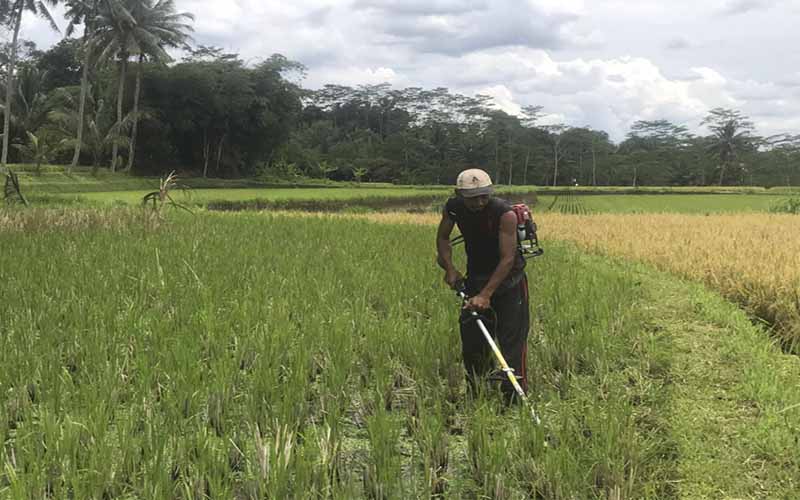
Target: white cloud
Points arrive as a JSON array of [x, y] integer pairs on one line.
[[575, 7], [503, 99], [603, 63], [733, 7], [678, 43], [355, 75]]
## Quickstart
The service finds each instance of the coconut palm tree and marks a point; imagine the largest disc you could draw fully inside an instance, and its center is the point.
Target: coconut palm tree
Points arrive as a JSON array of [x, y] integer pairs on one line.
[[136, 27], [29, 99], [102, 134], [112, 39], [158, 27], [38, 150], [82, 12], [731, 135], [12, 11]]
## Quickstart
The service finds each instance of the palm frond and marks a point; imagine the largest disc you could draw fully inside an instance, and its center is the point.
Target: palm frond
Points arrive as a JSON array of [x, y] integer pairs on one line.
[[44, 13]]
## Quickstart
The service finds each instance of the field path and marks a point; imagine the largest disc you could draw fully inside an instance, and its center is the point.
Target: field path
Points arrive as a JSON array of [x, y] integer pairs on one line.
[[718, 364]]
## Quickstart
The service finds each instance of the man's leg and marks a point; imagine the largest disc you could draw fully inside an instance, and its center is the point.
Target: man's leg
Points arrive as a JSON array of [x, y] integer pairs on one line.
[[475, 351], [513, 322]]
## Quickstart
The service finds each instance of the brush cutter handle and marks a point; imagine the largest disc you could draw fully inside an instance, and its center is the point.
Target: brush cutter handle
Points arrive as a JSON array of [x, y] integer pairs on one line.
[[461, 291], [501, 360]]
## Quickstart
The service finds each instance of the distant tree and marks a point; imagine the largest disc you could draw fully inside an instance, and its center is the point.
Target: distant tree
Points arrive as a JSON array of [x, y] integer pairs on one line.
[[38, 150], [29, 98], [11, 12], [556, 135], [112, 38], [158, 27], [82, 12], [219, 116], [530, 115], [731, 136], [782, 157], [102, 132], [652, 147], [359, 173], [326, 169], [61, 64], [600, 145], [142, 28]]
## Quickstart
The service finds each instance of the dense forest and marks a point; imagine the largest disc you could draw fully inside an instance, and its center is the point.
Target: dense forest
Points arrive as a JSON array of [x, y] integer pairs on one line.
[[112, 96]]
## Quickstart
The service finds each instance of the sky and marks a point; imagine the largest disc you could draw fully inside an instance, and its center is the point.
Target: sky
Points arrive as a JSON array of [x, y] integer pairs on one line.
[[598, 63]]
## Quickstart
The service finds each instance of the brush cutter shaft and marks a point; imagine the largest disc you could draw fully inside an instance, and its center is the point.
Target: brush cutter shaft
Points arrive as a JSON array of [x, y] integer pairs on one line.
[[502, 361]]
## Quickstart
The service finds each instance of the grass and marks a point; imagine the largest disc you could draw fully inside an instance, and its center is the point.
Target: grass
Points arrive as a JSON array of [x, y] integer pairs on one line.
[[204, 196], [81, 188], [735, 406], [256, 355], [242, 356]]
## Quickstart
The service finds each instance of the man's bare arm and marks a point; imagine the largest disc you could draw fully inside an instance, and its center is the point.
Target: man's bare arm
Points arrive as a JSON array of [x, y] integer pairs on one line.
[[444, 250]]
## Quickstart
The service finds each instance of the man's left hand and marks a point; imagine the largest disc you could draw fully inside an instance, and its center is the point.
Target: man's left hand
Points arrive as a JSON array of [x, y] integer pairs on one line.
[[478, 303]]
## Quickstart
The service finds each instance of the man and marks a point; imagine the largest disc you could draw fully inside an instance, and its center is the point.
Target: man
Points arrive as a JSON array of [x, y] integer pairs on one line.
[[495, 282]]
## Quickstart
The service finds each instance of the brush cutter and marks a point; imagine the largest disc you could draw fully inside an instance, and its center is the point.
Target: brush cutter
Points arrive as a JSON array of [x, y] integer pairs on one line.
[[527, 240], [461, 292]]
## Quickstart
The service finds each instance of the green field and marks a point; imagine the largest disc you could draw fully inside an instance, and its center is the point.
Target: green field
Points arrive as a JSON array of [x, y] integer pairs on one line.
[[83, 189], [203, 196], [251, 356], [344, 197]]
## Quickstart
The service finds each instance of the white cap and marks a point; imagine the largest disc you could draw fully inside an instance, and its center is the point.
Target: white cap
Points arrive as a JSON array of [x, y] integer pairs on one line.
[[473, 182]]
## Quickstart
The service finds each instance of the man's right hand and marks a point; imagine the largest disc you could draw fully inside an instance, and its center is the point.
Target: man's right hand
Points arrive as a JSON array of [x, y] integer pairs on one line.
[[453, 278]]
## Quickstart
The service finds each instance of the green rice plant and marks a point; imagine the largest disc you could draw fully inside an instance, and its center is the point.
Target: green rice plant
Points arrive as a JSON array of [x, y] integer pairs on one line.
[[279, 460], [326, 470], [428, 427], [567, 203], [382, 472], [261, 355], [487, 450]]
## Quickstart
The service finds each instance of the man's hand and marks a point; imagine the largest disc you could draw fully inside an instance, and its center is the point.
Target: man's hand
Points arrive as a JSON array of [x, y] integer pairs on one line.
[[479, 302], [453, 278]]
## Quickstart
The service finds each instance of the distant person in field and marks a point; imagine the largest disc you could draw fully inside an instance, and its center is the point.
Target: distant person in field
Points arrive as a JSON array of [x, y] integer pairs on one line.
[[495, 280]]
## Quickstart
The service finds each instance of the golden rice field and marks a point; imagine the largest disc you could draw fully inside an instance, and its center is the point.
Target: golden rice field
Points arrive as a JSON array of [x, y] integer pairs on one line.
[[752, 259]]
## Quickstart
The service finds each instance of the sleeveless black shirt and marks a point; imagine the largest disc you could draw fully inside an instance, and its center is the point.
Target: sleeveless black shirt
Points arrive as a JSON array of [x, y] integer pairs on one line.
[[481, 231]]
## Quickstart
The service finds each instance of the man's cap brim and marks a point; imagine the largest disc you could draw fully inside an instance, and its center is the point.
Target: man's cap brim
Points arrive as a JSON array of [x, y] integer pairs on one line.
[[472, 193]]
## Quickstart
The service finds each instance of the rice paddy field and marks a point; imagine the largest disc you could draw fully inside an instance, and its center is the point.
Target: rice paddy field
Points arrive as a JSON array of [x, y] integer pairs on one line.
[[752, 259], [81, 188], [282, 355], [687, 203]]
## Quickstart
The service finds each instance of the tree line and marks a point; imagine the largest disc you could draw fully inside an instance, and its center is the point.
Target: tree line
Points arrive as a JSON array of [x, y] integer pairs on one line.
[[113, 97]]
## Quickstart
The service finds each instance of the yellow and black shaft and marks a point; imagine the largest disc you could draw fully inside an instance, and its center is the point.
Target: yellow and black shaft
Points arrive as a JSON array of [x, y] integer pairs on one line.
[[501, 360]]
